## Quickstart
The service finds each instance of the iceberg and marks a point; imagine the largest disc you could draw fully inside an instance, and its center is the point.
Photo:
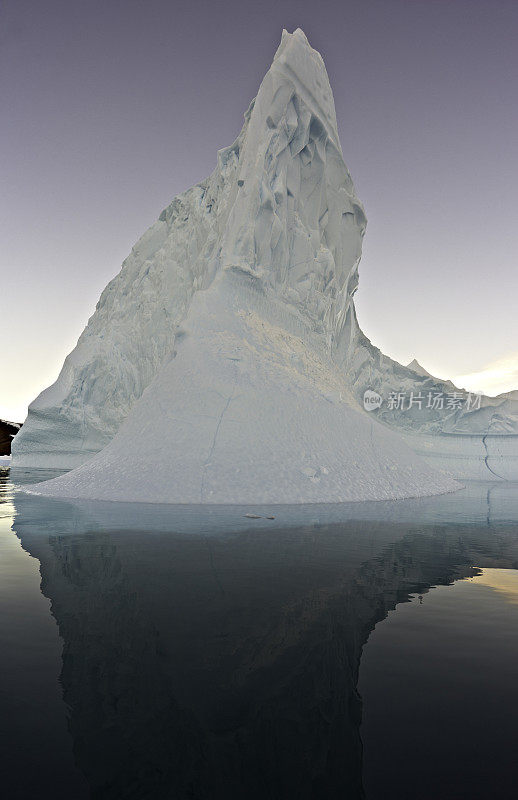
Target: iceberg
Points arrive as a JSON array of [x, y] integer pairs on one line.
[[227, 351]]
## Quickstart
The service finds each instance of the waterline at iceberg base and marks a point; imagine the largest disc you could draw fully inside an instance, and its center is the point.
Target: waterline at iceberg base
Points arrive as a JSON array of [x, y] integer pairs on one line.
[[226, 357]]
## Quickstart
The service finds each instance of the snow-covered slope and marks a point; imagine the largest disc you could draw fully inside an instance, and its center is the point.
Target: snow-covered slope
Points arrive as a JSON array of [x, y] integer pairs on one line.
[[219, 353], [134, 328], [251, 411]]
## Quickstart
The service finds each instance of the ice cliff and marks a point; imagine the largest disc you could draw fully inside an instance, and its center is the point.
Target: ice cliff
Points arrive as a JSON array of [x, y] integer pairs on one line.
[[227, 353]]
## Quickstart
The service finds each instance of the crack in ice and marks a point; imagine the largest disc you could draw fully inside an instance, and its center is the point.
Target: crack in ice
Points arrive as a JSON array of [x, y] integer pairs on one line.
[[486, 459], [213, 445]]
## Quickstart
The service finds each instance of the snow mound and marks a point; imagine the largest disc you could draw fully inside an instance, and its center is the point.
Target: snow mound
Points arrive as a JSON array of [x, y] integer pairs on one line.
[[220, 353]]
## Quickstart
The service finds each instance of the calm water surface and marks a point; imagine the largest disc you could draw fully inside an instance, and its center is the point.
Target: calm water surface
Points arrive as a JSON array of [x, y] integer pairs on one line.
[[368, 650]]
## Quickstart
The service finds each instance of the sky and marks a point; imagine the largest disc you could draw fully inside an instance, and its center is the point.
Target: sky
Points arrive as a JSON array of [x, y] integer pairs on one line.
[[110, 108]]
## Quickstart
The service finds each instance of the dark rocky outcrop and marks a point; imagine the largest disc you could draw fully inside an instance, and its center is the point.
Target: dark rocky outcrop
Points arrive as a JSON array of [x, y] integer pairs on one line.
[[8, 431]]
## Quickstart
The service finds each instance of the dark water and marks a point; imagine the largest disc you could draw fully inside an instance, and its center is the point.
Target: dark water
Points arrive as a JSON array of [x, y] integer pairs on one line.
[[334, 652]]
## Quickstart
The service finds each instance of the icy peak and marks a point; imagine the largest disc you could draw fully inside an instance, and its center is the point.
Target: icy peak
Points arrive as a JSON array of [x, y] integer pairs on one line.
[[296, 225], [222, 350], [278, 221], [299, 65], [415, 366]]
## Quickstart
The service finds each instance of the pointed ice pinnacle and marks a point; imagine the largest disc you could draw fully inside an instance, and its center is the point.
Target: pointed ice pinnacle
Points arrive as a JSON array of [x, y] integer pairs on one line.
[[215, 368], [416, 367]]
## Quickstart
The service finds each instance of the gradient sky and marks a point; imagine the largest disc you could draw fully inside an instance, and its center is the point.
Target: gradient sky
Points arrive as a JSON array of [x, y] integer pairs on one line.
[[110, 108]]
